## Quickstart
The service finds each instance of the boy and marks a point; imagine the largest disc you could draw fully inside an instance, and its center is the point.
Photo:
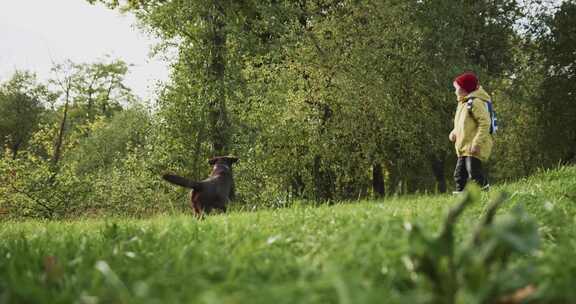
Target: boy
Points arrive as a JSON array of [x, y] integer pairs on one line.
[[471, 133]]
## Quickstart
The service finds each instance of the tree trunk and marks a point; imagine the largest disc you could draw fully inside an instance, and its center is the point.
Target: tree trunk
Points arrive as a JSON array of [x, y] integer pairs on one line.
[[60, 139], [297, 186], [218, 118], [438, 168], [323, 177], [15, 149], [570, 156], [378, 180], [323, 183], [394, 178]]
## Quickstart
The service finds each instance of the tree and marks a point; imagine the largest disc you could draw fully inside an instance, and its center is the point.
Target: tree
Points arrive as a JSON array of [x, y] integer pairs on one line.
[[22, 102], [42, 182], [86, 92], [200, 28], [99, 87], [111, 139], [557, 105]]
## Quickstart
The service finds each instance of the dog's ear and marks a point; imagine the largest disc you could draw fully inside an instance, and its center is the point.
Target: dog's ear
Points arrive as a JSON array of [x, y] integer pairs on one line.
[[213, 160], [232, 159]]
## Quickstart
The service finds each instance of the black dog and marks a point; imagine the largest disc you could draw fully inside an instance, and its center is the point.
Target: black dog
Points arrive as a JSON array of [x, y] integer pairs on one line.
[[215, 191]]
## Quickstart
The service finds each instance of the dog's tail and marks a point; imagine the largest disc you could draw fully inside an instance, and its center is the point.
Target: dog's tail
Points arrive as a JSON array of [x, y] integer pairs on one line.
[[182, 181]]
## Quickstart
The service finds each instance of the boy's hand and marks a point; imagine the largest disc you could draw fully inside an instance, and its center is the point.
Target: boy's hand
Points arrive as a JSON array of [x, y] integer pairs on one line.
[[452, 136], [474, 149]]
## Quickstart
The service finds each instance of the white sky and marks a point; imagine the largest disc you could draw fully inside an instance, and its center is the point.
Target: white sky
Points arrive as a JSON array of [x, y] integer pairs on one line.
[[34, 33]]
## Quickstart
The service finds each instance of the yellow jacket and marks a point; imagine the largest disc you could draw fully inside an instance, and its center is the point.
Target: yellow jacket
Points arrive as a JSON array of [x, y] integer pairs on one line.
[[472, 126]]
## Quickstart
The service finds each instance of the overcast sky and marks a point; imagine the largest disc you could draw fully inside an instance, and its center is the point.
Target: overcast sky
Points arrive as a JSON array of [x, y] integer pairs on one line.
[[33, 33]]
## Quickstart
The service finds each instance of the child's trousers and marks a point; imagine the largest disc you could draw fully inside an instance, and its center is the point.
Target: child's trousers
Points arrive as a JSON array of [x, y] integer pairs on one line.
[[469, 168]]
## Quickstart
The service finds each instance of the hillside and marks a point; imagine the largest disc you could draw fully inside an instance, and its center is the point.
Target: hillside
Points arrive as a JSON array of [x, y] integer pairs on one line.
[[344, 253]]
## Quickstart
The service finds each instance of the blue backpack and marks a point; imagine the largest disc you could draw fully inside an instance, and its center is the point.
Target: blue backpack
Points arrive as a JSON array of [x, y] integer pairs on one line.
[[491, 111]]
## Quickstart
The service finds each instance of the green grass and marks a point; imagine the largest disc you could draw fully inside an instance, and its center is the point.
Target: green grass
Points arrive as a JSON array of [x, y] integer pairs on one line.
[[345, 253]]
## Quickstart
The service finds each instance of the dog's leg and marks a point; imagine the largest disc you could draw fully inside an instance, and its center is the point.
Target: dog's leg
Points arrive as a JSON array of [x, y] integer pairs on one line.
[[208, 209], [195, 204], [232, 194], [221, 209]]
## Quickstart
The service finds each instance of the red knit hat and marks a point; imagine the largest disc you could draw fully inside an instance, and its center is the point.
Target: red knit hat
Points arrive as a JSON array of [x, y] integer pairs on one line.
[[467, 81]]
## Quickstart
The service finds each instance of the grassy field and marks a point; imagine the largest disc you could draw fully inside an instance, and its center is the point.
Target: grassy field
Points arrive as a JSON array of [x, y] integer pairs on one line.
[[344, 253]]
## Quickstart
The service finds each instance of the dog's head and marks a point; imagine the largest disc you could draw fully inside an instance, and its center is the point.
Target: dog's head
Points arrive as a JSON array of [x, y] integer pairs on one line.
[[224, 160]]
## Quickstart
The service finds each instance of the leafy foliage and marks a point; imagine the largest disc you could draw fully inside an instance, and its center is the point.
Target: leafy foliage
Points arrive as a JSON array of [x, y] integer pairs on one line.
[[558, 89], [21, 109], [481, 270]]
